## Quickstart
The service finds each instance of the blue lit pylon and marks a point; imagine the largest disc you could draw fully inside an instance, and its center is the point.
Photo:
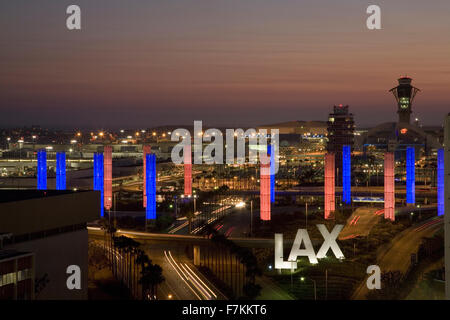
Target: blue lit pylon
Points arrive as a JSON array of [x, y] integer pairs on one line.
[[60, 171], [41, 172], [440, 182], [98, 179], [150, 172], [346, 174], [410, 176]]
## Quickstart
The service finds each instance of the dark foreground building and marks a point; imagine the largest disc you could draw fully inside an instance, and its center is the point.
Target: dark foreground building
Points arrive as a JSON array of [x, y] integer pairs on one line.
[[41, 234]]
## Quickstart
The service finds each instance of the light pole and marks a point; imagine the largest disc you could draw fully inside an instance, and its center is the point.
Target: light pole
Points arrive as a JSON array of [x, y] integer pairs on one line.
[[306, 215], [195, 203], [292, 272], [251, 218], [315, 287]]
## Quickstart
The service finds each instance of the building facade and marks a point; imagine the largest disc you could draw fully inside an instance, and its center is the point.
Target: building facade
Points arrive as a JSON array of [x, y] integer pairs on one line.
[[46, 233], [341, 132]]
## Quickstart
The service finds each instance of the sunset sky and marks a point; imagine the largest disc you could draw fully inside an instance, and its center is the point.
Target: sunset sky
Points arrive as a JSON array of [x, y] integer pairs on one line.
[[142, 63]]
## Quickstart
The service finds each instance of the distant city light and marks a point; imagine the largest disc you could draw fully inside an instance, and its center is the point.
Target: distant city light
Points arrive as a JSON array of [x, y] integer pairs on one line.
[[240, 204]]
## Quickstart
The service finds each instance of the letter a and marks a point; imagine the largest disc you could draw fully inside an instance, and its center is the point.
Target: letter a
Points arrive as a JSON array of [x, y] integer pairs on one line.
[[373, 282], [302, 237], [74, 280], [374, 21], [73, 22]]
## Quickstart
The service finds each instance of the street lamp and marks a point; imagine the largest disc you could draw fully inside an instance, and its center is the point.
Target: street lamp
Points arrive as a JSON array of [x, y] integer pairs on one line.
[[302, 279], [306, 214], [240, 205], [251, 218]]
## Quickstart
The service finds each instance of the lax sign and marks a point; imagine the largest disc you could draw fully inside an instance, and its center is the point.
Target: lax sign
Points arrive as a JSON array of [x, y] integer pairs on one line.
[[302, 237]]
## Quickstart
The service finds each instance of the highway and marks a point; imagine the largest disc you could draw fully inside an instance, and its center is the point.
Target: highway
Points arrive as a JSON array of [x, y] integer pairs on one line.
[[397, 254], [360, 222], [182, 280], [163, 237]]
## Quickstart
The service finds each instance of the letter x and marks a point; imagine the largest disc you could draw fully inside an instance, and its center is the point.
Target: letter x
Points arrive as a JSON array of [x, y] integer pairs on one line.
[[330, 241]]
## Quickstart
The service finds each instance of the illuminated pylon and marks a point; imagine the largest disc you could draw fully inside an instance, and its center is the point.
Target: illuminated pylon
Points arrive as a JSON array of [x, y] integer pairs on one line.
[[410, 176], [60, 171], [389, 186], [145, 150], [108, 176], [329, 188], [346, 174], [440, 182], [187, 152], [264, 191], [271, 154], [98, 179], [150, 172], [41, 172]]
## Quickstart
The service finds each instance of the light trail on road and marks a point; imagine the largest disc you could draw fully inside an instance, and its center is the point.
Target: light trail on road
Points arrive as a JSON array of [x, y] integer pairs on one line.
[[192, 280], [430, 223], [174, 266]]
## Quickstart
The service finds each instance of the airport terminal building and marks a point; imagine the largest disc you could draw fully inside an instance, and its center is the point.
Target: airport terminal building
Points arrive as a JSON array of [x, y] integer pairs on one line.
[[41, 234]]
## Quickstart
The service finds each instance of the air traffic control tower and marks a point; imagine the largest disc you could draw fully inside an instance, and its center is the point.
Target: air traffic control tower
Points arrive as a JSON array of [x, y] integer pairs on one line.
[[404, 93]]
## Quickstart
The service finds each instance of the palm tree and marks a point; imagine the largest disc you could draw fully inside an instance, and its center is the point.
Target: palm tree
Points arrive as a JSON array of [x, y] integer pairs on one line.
[[130, 247], [111, 230], [142, 259], [245, 256], [151, 275], [120, 244], [151, 278]]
